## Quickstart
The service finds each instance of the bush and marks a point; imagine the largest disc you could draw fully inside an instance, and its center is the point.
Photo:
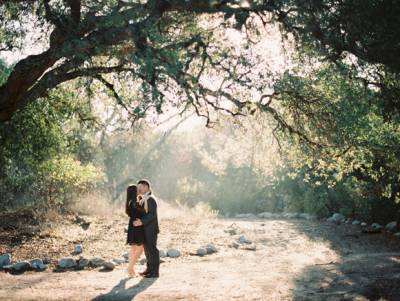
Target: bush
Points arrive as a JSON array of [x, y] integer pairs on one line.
[[65, 177]]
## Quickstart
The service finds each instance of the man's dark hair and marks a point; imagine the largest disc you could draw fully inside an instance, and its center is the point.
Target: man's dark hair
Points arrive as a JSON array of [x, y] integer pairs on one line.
[[144, 182]]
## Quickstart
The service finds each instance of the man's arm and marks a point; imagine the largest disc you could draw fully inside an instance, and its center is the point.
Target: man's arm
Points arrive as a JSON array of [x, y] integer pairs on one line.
[[151, 213]]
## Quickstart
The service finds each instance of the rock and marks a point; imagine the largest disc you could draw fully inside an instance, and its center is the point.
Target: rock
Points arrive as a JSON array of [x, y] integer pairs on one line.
[[356, 222], [162, 253], [41, 267], [66, 262], [82, 222], [201, 252], [371, 230], [291, 215], [8, 267], [210, 248], [77, 249], [231, 231], [243, 240], [37, 264], [251, 247], [266, 215], [376, 226], [96, 262], [245, 215], [83, 263], [303, 215], [5, 259], [348, 221], [234, 244], [108, 265], [79, 219], [126, 255], [173, 253], [337, 218], [397, 234], [21, 266], [119, 261], [239, 215], [391, 227], [307, 216], [363, 224]]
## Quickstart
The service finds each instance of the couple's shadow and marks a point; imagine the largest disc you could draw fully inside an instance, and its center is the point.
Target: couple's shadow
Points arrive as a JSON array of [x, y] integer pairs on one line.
[[120, 293]]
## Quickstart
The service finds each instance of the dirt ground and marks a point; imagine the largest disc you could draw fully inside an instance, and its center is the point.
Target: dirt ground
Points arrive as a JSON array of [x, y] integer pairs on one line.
[[294, 260]]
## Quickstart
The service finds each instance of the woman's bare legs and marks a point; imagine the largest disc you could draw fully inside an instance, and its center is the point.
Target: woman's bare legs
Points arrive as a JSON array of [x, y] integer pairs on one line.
[[131, 264], [134, 254]]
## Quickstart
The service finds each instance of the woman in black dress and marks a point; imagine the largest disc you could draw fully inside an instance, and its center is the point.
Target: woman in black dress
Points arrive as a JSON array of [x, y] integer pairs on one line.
[[135, 236]]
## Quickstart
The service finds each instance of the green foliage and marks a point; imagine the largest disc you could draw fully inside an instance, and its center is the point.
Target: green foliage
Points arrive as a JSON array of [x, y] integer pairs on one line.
[[37, 147], [65, 177], [27, 140], [365, 28], [4, 72], [356, 170], [343, 94]]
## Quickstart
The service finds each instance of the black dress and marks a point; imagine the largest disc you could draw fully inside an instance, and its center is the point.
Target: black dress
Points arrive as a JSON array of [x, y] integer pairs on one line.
[[135, 234]]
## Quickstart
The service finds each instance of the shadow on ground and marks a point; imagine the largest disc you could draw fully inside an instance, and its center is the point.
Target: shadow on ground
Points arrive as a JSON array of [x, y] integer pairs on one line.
[[18, 227], [122, 293], [368, 268]]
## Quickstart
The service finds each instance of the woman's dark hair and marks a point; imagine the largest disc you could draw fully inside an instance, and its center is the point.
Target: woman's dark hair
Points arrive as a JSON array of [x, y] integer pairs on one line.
[[131, 195]]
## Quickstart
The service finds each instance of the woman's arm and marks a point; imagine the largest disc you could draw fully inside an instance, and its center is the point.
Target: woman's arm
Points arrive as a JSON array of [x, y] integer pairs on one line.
[[146, 206]]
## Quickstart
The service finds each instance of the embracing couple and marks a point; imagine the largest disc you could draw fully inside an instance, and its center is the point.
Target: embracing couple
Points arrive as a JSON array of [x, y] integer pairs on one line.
[[141, 206]]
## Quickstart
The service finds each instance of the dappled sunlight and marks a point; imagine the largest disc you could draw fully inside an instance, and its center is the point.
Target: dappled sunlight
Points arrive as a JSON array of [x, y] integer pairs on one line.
[[200, 150], [359, 267]]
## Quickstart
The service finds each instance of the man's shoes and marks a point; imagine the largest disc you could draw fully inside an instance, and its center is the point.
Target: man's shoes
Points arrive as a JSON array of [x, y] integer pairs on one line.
[[144, 273], [152, 275]]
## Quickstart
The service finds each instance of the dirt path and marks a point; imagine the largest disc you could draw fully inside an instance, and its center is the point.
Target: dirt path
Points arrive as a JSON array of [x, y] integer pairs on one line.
[[294, 260]]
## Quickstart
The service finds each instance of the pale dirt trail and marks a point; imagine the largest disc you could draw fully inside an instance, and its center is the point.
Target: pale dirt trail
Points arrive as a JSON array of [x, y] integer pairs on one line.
[[294, 260]]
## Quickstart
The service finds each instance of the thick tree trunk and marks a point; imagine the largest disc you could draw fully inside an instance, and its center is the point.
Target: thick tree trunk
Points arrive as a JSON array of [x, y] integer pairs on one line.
[[24, 76]]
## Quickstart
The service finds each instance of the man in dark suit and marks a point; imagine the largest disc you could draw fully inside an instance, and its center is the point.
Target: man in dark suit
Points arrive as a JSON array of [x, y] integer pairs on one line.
[[151, 230]]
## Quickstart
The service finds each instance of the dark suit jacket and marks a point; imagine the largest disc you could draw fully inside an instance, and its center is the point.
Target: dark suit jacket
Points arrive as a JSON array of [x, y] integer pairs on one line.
[[150, 220]]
